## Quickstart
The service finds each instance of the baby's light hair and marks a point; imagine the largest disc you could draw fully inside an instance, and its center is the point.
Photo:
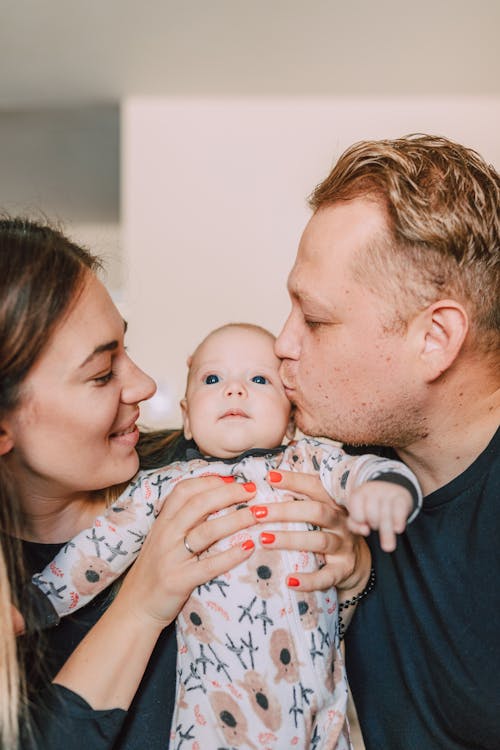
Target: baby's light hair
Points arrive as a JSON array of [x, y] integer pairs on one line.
[[244, 326]]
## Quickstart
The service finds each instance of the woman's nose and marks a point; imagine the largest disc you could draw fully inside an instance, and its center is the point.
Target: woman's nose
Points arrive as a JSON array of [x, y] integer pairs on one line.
[[138, 385]]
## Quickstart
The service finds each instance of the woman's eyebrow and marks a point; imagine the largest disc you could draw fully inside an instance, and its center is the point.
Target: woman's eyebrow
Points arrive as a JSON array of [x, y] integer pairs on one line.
[[107, 347]]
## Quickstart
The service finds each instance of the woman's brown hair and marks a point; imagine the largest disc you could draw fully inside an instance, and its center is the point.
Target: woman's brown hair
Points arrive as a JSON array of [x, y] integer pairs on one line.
[[41, 275]]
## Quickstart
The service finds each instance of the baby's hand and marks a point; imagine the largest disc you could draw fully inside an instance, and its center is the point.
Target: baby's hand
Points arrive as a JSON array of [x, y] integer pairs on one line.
[[379, 505]]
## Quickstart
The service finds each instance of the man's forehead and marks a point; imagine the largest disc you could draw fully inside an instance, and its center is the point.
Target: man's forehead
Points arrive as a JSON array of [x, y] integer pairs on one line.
[[309, 287]]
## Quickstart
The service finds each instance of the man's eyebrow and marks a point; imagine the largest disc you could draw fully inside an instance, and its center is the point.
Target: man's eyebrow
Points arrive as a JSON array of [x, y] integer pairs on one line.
[[109, 346]]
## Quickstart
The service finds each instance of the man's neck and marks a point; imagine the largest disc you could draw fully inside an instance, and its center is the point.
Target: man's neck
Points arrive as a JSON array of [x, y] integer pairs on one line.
[[455, 439]]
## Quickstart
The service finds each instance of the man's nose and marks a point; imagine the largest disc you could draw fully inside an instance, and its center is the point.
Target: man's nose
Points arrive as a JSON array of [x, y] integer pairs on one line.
[[287, 345]]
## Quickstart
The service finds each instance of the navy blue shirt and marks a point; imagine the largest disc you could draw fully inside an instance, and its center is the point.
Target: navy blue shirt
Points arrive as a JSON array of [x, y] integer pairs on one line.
[[423, 649]]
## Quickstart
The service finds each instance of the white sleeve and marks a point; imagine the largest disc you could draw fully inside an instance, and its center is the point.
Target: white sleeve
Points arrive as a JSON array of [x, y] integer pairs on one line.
[[341, 474], [100, 554]]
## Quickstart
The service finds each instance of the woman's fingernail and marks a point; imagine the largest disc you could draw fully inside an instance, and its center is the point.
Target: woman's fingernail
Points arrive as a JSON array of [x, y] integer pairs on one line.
[[267, 538], [250, 486], [227, 479], [259, 511], [275, 476], [291, 581], [248, 545]]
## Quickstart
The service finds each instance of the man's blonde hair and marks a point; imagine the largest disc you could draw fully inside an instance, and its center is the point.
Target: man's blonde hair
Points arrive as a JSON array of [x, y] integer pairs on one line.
[[442, 205]]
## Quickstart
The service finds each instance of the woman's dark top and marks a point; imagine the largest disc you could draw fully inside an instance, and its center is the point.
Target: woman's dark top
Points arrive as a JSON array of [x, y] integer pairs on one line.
[[64, 721]]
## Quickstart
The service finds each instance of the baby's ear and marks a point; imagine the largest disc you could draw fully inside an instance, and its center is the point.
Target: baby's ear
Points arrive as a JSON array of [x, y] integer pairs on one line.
[[185, 419]]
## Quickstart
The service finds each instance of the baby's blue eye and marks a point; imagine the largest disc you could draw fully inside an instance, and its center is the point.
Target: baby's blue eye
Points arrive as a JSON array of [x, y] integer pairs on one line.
[[211, 379], [260, 379]]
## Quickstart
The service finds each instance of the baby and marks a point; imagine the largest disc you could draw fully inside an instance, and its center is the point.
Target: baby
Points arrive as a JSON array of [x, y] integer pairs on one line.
[[259, 664]]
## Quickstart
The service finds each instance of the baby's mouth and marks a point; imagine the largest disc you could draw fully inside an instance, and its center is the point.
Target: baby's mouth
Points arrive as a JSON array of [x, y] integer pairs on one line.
[[234, 413]]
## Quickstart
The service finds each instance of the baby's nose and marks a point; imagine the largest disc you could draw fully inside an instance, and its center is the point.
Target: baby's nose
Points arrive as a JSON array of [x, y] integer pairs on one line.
[[235, 388]]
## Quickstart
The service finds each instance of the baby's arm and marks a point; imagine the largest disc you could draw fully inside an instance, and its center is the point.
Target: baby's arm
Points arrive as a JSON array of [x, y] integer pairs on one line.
[[99, 555], [379, 493]]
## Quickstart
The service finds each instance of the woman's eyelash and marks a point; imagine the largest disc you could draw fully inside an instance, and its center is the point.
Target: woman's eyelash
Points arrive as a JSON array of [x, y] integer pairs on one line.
[[103, 379]]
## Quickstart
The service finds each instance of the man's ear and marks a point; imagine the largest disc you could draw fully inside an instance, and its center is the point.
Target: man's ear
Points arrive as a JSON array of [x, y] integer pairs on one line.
[[185, 419], [6, 439], [443, 327]]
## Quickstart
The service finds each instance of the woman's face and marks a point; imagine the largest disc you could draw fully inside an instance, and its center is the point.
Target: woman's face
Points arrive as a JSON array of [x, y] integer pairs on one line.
[[75, 429]]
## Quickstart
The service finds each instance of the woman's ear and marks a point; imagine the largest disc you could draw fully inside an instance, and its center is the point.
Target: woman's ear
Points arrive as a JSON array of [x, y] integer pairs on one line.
[[443, 329], [6, 440], [185, 419]]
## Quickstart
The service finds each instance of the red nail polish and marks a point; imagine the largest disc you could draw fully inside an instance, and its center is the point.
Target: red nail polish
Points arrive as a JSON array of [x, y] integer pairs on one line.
[[227, 479], [291, 581], [259, 511], [250, 486], [267, 538], [275, 476], [248, 544]]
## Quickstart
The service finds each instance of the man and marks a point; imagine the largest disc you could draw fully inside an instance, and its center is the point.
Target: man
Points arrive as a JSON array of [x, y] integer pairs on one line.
[[393, 340]]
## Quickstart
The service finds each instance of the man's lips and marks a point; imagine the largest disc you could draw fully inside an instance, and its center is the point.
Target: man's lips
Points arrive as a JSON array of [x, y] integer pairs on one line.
[[290, 393]]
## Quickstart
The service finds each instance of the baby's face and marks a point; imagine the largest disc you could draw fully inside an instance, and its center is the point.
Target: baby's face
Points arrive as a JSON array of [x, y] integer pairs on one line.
[[235, 400]]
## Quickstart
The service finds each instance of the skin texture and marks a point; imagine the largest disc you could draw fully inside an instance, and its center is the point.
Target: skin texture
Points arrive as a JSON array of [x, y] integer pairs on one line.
[[75, 429], [73, 433], [235, 399], [356, 376], [344, 368]]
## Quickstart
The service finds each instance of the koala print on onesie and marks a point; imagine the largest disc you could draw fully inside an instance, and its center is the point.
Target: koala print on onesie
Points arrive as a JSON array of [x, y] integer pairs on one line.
[[259, 664]]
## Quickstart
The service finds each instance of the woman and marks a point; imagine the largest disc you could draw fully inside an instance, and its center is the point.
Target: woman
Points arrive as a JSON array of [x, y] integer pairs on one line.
[[69, 405]]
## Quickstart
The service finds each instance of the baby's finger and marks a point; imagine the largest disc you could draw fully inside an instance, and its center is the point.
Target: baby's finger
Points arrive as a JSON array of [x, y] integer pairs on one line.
[[357, 506], [358, 527], [387, 535], [400, 518]]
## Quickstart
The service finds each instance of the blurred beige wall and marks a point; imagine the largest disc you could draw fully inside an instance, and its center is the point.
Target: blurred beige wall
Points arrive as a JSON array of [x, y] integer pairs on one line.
[[214, 202]]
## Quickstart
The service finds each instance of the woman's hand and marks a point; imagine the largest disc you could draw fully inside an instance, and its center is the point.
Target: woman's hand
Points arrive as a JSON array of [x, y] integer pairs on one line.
[[119, 646], [347, 556], [165, 572]]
